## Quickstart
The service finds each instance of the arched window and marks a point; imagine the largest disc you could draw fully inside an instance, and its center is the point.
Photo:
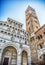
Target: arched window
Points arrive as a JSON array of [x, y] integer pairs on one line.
[[44, 32], [40, 46], [25, 42], [44, 57], [24, 58], [40, 37]]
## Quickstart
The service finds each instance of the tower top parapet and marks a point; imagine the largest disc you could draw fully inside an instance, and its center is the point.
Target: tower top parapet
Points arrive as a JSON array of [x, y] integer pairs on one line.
[[29, 9]]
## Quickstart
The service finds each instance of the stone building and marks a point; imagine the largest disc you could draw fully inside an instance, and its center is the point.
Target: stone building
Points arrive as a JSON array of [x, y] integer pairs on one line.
[[20, 47], [36, 37], [40, 35], [32, 25], [14, 45]]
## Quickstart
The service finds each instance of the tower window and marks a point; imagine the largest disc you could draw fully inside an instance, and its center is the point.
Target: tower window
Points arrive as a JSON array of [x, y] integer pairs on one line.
[[35, 17], [40, 46], [40, 37], [36, 21], [44, 32], [36, 26]]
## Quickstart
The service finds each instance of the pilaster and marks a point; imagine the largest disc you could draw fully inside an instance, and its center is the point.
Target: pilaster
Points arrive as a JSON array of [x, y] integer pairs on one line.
[[0, 56], [19, 58], [29, 60]]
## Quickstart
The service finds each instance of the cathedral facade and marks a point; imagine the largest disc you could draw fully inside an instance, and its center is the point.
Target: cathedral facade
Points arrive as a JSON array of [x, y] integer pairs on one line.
[[20, 47], [14, 46]]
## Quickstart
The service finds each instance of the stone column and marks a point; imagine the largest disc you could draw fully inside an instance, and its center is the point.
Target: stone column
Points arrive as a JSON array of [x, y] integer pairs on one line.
[[0, 57], [19, 58], [29, 60]]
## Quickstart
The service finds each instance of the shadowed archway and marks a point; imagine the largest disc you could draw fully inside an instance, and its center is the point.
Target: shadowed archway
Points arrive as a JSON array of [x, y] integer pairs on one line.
[[24, 58], [43, 59], [9, 56]]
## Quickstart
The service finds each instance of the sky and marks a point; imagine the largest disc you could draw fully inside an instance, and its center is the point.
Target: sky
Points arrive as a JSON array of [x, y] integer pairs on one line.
[[15, 9]]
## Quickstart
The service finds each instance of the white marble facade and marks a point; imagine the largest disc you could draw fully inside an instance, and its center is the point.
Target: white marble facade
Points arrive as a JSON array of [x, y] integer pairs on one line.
[[13, 41]]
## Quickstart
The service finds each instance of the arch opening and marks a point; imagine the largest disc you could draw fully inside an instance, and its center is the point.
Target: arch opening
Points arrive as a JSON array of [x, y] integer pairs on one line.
[[9, 56], [24, 58], [42, 58]]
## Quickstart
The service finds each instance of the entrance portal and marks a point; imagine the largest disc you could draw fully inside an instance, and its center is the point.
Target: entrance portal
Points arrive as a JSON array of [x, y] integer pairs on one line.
[[6, 60], [9, 56]]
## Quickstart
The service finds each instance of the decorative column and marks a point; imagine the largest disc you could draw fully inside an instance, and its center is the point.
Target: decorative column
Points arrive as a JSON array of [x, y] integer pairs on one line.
[[19, 58], [29, 60], [0, 57]]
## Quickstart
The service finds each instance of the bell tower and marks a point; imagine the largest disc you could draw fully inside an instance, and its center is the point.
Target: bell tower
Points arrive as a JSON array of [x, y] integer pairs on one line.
[[32, 25], [32, 22]]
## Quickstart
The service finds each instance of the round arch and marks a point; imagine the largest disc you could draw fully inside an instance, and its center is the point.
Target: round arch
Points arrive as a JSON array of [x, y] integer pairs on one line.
[[27, 50], [15, 45], [9, 56], [42, 59], [24, 58], [5, 50]]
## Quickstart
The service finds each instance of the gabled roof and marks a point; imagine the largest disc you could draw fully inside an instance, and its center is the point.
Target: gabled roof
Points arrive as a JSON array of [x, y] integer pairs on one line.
[[40, 28]]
